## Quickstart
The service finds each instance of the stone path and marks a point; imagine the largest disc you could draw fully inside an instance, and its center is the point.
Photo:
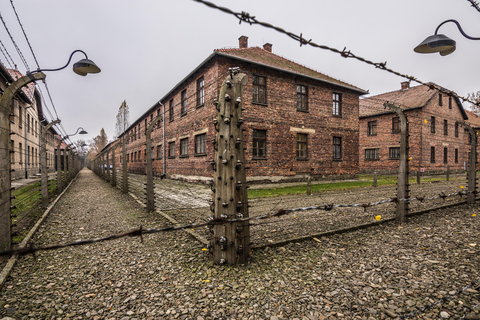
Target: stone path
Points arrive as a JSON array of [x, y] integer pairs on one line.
[[377, 273]]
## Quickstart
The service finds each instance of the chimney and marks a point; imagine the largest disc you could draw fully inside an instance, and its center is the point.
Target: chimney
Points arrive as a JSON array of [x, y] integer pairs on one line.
[[243, 42], [267, 47], [405, 85]]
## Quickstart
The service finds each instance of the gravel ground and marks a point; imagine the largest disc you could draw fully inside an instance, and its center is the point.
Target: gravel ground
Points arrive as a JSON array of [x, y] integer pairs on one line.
[[377, 273]]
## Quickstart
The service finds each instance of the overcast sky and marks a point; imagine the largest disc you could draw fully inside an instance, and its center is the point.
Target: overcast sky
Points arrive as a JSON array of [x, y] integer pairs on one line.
[[145, 47]]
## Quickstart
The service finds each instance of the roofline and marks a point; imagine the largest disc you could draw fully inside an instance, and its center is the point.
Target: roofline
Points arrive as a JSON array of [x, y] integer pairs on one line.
[[387, 112], [292, 72], [210, 57]]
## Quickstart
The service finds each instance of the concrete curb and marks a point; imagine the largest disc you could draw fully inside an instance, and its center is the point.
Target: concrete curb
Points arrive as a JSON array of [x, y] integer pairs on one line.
[[13, 259]]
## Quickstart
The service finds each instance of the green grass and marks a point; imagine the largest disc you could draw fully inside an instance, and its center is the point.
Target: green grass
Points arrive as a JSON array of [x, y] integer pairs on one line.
[[363, 181]]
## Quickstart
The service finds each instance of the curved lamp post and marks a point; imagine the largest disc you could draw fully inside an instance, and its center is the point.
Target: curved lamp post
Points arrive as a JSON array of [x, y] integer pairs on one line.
[[440, 42], [82, 67], [80, 130]]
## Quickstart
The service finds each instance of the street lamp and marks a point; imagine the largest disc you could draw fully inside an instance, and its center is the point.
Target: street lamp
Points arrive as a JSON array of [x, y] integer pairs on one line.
[[440, 42], [82, 67]]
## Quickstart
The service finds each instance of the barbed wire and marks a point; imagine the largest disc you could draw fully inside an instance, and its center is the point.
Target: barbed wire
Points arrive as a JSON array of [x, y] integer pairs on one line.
[[474, 4], [444, 299], [217, 221], [246, 17]]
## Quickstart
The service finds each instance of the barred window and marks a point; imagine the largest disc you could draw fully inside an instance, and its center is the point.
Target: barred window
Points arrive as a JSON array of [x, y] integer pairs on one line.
[[372, 154], [394, 153]]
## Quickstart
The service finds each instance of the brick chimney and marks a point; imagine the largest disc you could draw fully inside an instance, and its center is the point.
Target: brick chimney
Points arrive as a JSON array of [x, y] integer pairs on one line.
[[243, 42], [405, 85], [267, 47]]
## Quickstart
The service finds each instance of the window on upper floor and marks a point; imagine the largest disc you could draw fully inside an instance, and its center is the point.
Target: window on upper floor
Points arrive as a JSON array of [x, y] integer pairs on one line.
[[440, 99], [170, 110], [456, 129], [337, 104], [372, 128], [445, 127], [259, 88], [183, 96], [432, 124], [396, 125], [200, 92], [302, 98], [450, 102]]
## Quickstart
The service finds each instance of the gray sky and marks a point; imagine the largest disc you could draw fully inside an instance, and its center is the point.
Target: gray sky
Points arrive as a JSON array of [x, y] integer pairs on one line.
[[145, 47]]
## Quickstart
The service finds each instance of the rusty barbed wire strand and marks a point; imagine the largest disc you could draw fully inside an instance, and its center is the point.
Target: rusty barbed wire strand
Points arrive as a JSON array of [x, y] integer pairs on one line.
[[246, 17], [444, 299], [217, 221], [474, 4]]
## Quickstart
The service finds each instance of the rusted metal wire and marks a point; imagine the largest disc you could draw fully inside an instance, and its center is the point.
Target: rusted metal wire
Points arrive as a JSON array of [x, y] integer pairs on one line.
[[246, 17], [475, 5]]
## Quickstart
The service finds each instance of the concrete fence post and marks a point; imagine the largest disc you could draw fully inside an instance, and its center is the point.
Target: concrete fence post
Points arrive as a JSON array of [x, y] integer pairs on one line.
[[65, 165], [472, 164], [43, 164], [114, 167], [403, 190], [124, 165], [148, 142], [5, 165], [107, 161], [448, 172], [230, 242], [309, 185], [375, 179]]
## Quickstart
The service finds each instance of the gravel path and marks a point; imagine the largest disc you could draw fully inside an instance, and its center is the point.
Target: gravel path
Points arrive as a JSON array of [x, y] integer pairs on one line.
[[377, 273]]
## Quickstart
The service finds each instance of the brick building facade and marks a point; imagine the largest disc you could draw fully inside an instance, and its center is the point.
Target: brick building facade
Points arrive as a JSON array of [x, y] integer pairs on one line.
[[297, 121], [435, 139]]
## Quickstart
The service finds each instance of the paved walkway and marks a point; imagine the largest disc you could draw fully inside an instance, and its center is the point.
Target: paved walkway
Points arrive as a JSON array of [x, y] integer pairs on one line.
[[368, 274]]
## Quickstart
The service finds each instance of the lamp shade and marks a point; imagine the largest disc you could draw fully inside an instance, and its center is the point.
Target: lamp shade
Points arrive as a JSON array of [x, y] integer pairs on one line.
[[83, 132], [436, 43], [85, 66]]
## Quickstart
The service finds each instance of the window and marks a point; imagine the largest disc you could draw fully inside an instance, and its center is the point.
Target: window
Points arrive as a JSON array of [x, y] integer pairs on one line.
[[201, 144], [432, 154], [27, 159], [372, 154], [302, 98], [153, 153], [259, 146], [302, 151], [20, 116], [127, 157], [170, 110], [159, 151], [396, 128], [432, 124], [259, 89], [372, 128], [456, 129], [337, 148], [159, 122], [183, 97], [456, 155], [135, 134], [171, 149], [445, 155], [394, 153], [450, 102], [146, 125], [36, 128], [12, 152], [135, 156], [337, 104], [28, 122], [440, 99], [445, 127], [184, 147], [139, 132], [144, 154], [20, 153], [200, 92]]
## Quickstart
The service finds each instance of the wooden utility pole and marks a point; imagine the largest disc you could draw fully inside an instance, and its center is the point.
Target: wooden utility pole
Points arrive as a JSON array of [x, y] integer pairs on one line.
[[43, 163], [148, 142], [403, 185], [230, 242], [472, 164]]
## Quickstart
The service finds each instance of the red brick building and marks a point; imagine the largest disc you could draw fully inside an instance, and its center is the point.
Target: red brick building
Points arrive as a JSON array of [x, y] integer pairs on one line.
[[297, 121], [435, 139]]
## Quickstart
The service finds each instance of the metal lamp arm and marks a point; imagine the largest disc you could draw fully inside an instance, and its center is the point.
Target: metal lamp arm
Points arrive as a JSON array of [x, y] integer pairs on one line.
[[69, 60], [459, 29]]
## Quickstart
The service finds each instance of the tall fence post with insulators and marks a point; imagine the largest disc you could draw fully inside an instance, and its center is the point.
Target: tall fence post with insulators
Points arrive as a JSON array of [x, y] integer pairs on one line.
[[403, 185], [148, 142], [43, 164], [472, 163], [5, 174], [107, 165], [230, 242]]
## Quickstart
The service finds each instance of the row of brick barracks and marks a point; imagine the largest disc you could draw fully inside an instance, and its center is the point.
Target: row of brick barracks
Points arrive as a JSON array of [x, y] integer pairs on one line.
[[297, 122]]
